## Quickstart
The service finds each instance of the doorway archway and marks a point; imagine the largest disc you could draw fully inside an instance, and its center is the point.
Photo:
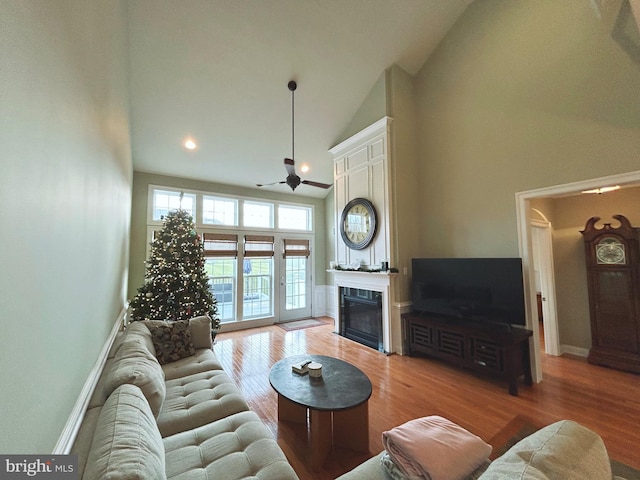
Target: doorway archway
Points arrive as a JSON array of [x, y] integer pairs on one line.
[[523, 214]]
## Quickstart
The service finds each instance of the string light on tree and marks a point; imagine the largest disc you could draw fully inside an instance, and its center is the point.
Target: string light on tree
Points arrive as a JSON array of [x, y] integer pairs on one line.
[[176, 284]]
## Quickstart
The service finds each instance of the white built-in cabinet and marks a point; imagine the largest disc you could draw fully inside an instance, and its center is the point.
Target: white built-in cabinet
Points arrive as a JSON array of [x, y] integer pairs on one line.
[[362, 170]]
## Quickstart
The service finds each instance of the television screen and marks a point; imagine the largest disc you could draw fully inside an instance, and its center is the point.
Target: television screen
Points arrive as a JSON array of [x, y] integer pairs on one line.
[[480, 289]]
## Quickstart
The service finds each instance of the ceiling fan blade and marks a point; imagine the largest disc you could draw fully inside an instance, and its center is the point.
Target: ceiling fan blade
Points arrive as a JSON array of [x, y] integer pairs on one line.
[[289, 164], [269, 184], [316, 184]]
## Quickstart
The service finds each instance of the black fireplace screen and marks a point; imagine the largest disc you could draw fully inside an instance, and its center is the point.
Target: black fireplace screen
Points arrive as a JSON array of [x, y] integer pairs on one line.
[[361, 316]]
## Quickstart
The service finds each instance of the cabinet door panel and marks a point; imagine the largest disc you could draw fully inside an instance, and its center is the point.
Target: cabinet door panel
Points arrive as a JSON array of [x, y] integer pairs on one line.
[[614, 311], [485, 353], [422, 337], [451, 343]]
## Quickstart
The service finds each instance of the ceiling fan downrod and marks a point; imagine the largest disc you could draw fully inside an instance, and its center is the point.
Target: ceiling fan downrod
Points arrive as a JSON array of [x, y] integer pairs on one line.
[[292, 86]]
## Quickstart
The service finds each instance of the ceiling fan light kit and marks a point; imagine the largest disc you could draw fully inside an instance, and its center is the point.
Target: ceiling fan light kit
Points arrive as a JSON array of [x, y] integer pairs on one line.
[[293, 179]]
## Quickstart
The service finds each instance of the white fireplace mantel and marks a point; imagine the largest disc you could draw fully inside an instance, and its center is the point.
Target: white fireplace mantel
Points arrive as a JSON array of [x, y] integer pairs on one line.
[[382, 282]]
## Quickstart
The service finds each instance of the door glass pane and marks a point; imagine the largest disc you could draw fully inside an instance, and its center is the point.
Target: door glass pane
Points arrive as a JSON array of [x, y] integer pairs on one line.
[[257, 298], [295, 283], [222, 281]]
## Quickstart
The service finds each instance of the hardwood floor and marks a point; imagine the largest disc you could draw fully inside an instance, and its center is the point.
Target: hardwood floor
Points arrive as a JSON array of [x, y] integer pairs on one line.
[[605, 400]]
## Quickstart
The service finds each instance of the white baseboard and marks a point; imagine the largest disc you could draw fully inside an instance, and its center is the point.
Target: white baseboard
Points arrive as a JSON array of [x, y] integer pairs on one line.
[[70, 430], [578, 351]]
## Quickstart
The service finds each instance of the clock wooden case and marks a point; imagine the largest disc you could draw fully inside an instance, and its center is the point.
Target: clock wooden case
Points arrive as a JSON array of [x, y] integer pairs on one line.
[[613, 277]]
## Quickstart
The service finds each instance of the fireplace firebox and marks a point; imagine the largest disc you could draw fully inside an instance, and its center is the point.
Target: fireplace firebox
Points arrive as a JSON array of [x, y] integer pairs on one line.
[[361, 316]]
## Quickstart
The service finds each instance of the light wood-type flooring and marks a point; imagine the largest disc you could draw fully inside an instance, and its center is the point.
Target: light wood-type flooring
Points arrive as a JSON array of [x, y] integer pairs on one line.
[[603, 399]]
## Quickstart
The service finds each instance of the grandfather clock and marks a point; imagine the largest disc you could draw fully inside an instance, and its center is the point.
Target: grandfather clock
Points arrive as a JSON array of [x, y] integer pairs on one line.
[[613, 276]]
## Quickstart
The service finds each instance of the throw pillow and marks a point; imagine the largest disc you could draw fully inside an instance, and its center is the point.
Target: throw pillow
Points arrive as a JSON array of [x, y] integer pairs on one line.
[[201, 331], [172, 341]]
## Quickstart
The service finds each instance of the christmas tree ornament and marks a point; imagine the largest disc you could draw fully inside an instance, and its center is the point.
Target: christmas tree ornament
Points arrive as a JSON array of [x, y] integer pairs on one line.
[[176, 285]]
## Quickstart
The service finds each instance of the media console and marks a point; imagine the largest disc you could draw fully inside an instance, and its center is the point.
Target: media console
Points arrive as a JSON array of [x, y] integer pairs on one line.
[[498, 350]]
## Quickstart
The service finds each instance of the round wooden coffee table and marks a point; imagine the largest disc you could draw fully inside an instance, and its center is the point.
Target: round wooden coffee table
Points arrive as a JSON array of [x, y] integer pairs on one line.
[[336, 403]]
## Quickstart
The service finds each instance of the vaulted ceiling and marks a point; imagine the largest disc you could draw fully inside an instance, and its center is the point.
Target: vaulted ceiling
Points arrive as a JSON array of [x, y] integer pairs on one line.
[[217, 71]]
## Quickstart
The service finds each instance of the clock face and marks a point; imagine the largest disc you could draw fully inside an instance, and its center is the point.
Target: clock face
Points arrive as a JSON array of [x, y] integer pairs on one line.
[[358, 223], [609, 251]]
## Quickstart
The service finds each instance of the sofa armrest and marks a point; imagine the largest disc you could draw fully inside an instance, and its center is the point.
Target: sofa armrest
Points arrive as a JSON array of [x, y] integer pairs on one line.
[[564, 449], [369, 470]]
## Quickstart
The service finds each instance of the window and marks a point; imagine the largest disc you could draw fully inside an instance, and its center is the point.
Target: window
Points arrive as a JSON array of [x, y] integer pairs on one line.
[[294, 218], [221, 251], [165, 201], [219, 211], [295, 253], [258, 276], [257, 214], [239, 235]]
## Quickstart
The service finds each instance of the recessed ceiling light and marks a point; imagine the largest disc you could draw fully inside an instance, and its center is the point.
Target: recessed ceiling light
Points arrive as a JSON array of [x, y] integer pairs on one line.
[[190, 144], [304, 168], [602, 189]]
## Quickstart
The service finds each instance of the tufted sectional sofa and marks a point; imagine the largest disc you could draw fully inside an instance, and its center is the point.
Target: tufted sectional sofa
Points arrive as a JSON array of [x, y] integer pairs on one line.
[[185, 419]]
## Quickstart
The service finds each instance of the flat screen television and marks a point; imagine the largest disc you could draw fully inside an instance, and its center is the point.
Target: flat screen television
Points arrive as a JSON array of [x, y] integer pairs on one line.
[[480, 289]]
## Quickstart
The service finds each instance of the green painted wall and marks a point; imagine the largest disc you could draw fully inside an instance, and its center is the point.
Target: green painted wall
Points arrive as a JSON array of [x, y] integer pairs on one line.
[[372, 109], [405, 183], [66, 191], [519, 95]]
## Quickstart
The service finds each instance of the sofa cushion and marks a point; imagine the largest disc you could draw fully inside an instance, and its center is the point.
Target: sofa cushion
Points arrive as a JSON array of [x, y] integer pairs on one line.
[[126, 443], [563, 450], [82, 443], [203, 361], [134, 364], [235, 447], [199, 399], [138, 332], [100, 393], [201, 331], [172, 341]]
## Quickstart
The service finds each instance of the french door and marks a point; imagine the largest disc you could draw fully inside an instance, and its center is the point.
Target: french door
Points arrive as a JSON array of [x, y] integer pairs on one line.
[[295, 280]]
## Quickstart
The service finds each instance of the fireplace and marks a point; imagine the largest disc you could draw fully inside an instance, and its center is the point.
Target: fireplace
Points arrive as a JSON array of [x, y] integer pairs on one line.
[[381, 288], [361, 316]]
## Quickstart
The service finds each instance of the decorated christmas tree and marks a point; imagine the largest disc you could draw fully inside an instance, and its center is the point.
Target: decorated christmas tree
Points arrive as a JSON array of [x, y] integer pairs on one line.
[[176, 285]]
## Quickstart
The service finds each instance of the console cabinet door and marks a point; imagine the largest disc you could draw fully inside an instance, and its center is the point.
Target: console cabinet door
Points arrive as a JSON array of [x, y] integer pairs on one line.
[[487, 354]]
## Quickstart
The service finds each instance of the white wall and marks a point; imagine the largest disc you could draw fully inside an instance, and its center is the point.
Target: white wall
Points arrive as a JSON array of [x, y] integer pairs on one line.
[[65, 191]]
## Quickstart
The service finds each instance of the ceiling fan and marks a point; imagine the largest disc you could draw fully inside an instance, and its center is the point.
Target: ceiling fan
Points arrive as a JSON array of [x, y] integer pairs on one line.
[[293, 180]]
